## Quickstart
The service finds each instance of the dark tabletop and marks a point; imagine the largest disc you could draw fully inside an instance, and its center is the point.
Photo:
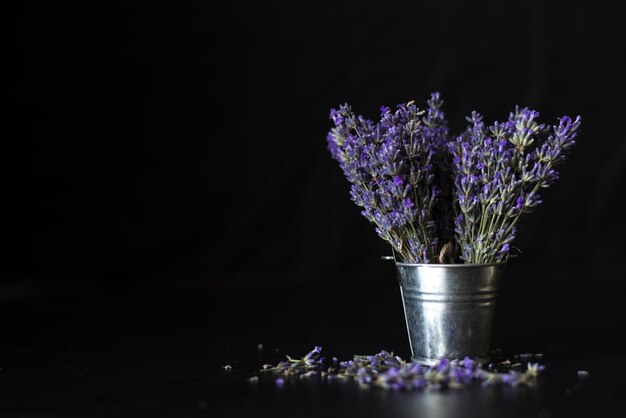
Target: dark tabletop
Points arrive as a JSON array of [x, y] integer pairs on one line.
[[157, 347]]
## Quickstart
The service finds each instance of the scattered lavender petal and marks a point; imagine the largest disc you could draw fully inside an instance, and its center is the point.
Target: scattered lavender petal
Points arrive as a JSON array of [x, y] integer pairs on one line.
[[387, 371]]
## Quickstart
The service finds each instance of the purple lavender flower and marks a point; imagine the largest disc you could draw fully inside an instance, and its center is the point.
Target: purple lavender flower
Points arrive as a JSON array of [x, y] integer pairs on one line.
[[512, 162], [436, 199], [390, 166]]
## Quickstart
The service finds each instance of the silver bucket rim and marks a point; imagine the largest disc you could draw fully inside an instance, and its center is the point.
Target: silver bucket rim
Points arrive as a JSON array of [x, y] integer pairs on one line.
[[458, 265], [455, 265]]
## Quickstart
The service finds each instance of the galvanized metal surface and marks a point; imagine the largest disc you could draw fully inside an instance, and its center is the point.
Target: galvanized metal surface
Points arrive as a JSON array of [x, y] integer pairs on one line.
[[449, 309]]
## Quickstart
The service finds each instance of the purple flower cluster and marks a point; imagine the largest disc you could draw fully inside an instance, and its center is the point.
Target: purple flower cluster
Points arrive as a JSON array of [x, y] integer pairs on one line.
[[498, 172], [391, 166], [439, 200], [390, 372]]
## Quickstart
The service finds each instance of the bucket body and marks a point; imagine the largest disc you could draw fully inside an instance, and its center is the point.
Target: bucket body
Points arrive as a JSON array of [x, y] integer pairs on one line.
[[449, 309]]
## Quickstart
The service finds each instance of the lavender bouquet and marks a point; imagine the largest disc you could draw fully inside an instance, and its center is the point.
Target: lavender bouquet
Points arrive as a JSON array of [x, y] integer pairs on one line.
[[438, 198]]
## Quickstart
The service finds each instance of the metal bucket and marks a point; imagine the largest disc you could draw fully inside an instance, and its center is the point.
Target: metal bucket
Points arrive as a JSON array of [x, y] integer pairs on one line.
[[449, 309]]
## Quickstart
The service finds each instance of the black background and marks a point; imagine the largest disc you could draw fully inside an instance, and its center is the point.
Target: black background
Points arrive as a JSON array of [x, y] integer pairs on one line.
[[189, 137], [168, 159]]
